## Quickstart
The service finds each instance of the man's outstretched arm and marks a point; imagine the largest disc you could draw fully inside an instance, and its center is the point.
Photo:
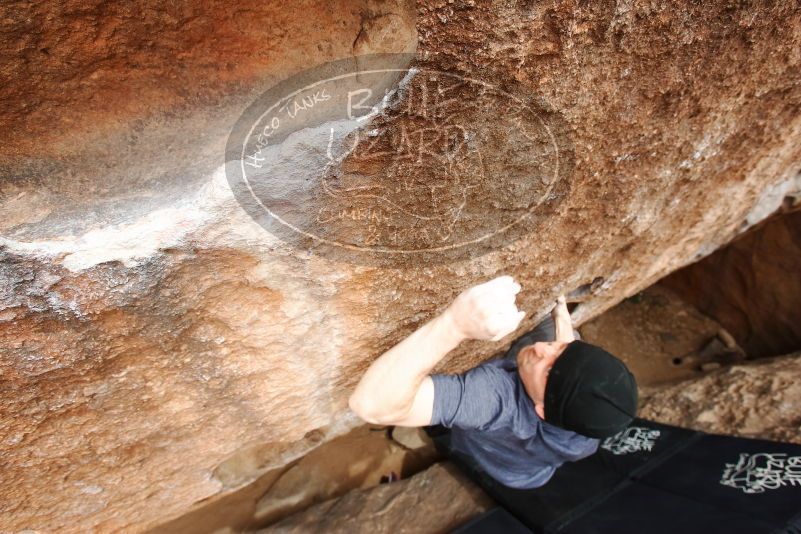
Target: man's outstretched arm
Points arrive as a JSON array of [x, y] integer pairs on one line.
[[396, 389]]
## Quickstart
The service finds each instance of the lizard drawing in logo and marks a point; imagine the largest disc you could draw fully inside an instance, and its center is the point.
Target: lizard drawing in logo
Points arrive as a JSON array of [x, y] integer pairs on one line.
[[419, 175], [441, 167]]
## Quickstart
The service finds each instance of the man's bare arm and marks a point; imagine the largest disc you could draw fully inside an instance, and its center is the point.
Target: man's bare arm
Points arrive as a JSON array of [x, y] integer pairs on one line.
[[396, 388]]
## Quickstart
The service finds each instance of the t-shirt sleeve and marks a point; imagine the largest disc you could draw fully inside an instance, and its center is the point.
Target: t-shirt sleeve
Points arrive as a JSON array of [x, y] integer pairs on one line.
[[481, 398]]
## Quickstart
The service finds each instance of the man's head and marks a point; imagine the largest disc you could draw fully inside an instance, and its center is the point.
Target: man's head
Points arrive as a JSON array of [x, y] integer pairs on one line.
[[578, 387]]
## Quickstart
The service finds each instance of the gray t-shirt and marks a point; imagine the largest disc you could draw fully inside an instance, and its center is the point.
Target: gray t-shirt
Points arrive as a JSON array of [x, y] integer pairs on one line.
[[493, 420]]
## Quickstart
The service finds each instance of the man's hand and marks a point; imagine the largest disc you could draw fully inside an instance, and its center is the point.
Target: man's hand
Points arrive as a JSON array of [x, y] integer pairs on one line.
[[486, 311], [561, 318]]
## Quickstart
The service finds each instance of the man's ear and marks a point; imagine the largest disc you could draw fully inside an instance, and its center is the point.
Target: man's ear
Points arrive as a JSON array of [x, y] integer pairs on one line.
[[521, 353], [540, 409]]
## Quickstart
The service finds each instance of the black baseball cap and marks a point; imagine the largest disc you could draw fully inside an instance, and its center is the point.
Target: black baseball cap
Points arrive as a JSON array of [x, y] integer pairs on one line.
[[590, 392]]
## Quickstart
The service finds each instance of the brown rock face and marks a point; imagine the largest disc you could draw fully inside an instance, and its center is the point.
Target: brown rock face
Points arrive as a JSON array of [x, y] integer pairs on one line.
[[752, 287], [159, 347], [357, 460], [442, 499], [759, 399]]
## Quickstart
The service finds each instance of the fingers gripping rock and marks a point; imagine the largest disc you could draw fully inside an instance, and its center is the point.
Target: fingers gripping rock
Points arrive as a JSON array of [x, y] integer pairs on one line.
[[488, 311], [562, 321]]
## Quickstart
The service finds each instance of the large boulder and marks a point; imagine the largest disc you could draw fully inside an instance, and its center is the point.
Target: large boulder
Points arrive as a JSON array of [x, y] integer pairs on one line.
[[160, 347], [360, 459], [438, 499], [757, 400]]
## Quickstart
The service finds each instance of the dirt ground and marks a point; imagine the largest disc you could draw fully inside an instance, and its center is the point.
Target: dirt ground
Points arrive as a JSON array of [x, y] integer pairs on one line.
[[662, 338]]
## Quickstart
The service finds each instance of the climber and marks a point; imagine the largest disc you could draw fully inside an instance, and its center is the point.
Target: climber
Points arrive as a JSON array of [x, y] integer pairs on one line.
[[549, 400]]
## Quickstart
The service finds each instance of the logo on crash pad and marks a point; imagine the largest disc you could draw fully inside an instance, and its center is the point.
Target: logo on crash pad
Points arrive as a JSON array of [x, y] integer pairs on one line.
[[756, 473], [378, 159], [632, 439]]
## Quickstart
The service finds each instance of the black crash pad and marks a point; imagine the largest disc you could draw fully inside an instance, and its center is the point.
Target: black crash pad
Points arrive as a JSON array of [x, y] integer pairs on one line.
[[658, 479]]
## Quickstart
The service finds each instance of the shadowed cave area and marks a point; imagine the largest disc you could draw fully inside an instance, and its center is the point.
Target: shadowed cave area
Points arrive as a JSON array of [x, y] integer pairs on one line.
[[217, 216]]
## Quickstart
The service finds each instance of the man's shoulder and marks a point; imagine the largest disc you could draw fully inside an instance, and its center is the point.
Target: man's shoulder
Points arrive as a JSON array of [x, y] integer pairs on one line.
[[498, 378], [483, 397]]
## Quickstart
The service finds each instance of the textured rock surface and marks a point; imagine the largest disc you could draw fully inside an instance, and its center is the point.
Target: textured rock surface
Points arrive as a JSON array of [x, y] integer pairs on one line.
[[442, 499], [760, 399], [414, 439], [752, 287], [359, 459], [160, 348]]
